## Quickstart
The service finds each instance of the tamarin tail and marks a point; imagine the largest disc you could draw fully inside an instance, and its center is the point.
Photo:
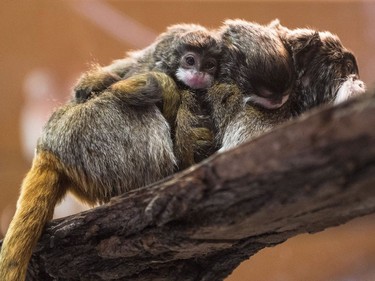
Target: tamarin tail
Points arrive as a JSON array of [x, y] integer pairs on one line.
[[42, 188]]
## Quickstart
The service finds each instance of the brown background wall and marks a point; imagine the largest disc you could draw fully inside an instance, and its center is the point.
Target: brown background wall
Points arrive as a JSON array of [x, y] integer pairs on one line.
[[55, 40]]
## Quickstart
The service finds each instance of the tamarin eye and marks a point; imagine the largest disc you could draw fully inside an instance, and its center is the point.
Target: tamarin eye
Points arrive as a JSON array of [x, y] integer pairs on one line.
[[349, 66], [190, 60]]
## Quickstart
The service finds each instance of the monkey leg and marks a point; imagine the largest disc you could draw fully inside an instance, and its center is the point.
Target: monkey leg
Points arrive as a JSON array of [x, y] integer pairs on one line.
[[94, 82]]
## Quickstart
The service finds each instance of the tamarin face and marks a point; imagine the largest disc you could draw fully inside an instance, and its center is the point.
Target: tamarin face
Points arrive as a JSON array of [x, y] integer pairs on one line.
[[196, 70], [327, 71], [193, 60]]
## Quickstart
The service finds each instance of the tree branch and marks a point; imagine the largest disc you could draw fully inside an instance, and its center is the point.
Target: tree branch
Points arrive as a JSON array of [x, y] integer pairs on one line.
[[315, 172]]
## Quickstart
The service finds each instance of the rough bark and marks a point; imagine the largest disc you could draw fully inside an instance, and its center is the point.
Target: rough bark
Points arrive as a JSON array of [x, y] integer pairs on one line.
[[315, 172]]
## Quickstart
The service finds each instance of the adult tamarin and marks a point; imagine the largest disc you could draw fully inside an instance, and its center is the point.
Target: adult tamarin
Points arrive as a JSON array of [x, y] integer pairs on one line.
[[255, 58], [190, 55], [327, 72], [95, 150], [256, 80]]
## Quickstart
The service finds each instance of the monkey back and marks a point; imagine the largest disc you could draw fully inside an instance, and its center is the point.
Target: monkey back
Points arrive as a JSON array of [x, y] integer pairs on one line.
[[106, 147]]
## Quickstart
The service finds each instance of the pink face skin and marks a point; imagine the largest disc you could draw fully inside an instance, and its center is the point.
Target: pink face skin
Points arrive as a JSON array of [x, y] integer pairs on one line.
[[266, 102], [266, 99], [195, 71]]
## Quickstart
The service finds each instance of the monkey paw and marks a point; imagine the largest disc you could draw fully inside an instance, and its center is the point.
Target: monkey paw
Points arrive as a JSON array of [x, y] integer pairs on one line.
[[92, 83], [140, 90]]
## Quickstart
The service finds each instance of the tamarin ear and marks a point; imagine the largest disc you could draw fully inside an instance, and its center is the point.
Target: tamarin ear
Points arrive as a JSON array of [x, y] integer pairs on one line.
[[303, 46]]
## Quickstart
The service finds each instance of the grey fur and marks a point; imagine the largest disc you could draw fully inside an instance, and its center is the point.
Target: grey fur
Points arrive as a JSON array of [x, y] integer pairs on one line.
[[108, 146], [236, 120], [256, 63]]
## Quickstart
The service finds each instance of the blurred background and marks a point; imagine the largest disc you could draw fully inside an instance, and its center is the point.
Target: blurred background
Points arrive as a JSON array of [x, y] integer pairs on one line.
[[45, 45]]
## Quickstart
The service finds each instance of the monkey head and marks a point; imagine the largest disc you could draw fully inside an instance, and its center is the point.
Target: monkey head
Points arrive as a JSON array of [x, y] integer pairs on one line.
[[256, 59], [193, 56], [196, 70], [326, 70]]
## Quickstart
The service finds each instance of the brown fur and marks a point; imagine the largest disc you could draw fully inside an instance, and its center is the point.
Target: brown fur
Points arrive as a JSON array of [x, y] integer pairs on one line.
[[194, 138], [43, 187]]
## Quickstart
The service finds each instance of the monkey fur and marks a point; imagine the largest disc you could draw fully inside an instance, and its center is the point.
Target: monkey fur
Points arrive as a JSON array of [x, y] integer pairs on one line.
[[194, 136], [95, 150], [236, 120], [256, 59]]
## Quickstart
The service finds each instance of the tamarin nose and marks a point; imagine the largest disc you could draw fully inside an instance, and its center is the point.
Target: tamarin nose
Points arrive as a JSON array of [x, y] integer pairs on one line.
[[361, 84]]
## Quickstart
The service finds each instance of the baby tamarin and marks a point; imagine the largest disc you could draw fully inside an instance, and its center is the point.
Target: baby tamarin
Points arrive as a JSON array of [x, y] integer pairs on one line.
[[190, 55], [96, 150]]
